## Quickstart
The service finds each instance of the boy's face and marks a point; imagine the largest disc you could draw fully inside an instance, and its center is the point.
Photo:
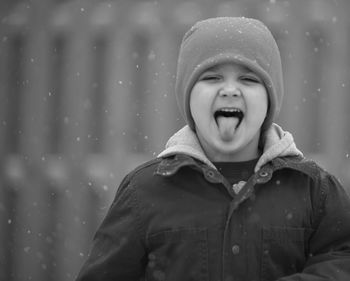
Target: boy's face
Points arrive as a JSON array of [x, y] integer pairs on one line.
[[228, 105]]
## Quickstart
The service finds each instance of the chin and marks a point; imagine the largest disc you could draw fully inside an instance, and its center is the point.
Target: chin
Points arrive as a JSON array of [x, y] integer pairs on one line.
[[226, 149]]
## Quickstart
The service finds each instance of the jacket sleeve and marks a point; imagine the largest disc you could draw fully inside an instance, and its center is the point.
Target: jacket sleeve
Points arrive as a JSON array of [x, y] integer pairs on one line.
[[329, 245], [118, 252]]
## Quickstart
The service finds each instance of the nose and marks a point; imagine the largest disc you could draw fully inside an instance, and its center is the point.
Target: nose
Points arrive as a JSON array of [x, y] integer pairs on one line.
[[230, 91]]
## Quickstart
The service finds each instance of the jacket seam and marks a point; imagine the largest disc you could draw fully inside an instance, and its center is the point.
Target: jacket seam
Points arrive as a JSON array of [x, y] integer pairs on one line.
[[322, 202], [135, 204], [141, 229]]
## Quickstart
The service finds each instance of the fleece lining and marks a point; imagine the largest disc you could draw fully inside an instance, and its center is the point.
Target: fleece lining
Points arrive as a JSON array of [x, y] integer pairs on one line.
[[276, 143]]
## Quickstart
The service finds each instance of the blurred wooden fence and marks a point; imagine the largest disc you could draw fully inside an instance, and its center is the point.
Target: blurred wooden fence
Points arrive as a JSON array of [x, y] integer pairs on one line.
[[86, 92]]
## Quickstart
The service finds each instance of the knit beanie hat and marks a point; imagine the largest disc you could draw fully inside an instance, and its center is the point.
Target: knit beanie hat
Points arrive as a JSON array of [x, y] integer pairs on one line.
[[241, 40]]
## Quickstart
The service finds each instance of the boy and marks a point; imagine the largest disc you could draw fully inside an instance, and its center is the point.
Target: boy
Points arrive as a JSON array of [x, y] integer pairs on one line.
[[231, 197]]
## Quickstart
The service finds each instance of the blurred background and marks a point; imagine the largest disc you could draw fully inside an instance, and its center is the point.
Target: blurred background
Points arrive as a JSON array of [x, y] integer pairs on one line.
[[86, 94]]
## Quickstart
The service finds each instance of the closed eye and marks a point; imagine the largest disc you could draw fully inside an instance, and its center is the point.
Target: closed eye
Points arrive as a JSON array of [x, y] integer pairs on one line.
[[251, 79], [210, 76]]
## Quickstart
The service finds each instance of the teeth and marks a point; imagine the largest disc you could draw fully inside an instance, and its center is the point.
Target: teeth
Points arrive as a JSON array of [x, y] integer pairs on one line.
[[230, 109], [229, 112]]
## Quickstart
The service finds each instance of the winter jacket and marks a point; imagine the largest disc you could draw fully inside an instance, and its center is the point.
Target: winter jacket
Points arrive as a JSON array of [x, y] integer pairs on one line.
[[176, 218]]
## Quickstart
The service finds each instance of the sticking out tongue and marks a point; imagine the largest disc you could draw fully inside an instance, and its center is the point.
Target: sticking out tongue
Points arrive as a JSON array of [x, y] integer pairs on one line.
[[227, 127]]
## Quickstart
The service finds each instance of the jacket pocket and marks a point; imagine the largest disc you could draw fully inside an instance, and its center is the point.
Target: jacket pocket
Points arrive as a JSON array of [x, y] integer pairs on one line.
[[178, 255], [283, 252]]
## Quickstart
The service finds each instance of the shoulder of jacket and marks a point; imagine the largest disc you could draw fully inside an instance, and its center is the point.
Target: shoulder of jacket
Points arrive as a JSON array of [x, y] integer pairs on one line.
[[322, 182], [147, 168], [304, 165], [139, 174]]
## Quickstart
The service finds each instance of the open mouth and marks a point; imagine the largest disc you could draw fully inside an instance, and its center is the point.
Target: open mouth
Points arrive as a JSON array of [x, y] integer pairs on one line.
[[229, 113]]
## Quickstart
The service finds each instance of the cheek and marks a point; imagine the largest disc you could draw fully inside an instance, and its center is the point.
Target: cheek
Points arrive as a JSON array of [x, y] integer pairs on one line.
[[263, 106], [265, 103], [193, 105], [261, 101], [258, 105], [197, 102]]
